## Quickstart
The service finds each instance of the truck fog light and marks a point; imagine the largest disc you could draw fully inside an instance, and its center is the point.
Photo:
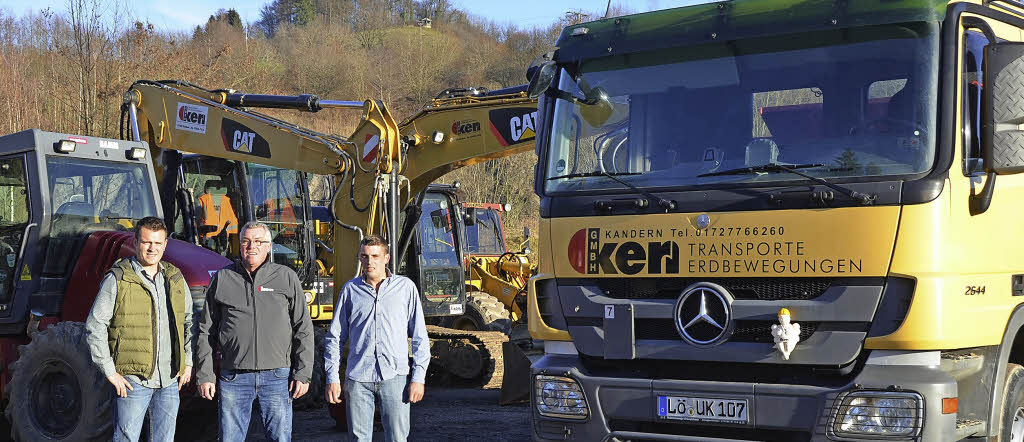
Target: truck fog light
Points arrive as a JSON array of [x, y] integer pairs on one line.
[[878, 414], [558, 396]]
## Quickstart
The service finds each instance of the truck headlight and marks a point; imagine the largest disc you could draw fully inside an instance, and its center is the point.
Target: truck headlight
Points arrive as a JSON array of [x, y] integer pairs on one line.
[[878, 414], [561, 397]]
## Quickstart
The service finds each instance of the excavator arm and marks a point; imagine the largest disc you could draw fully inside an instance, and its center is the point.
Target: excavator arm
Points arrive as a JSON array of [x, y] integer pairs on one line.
[[377, 170]]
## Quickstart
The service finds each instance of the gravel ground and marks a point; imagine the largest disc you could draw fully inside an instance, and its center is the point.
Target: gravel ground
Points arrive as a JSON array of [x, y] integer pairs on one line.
[[443, 415]]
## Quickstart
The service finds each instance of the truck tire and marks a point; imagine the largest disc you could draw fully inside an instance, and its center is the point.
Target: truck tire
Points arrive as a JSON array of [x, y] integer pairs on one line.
[[1011, 428], [55, 392], [314, 397], [483, 313]]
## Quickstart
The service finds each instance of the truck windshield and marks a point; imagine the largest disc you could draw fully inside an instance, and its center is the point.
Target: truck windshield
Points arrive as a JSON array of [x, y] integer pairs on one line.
[[859, 101]]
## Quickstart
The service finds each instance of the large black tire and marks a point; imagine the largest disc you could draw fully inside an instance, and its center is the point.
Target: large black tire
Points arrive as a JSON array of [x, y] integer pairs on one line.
[[314, 397], [55, 392], [483, 313], [1011, 427], [197, 420]]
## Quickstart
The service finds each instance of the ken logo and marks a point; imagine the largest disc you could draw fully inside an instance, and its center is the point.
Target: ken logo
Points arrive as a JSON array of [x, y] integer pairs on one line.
[[589, 255]]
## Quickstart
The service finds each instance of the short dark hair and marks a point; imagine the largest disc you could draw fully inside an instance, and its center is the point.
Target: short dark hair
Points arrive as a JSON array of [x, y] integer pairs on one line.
[[150, 223], [374, 240]]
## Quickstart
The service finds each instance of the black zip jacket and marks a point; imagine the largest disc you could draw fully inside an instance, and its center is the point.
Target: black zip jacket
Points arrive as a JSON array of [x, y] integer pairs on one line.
[[256, 322]]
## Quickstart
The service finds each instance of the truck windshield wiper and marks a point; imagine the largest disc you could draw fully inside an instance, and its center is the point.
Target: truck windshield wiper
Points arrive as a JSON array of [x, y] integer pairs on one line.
[[662, 202], [863, 198], [594, 173]]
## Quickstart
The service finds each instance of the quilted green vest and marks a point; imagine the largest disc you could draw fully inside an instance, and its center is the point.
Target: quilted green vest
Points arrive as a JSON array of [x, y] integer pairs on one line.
[[132, 333]]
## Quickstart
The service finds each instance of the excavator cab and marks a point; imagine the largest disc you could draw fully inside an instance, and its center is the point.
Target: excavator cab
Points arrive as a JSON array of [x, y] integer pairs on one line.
[[278, 201], [216, 197], [436, 256]]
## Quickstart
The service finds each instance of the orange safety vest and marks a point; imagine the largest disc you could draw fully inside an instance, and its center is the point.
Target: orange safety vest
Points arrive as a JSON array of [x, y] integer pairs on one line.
[[287, 214], [211, 217]]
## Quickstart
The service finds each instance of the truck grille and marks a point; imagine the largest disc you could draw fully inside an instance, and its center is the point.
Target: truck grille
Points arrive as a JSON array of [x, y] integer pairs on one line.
[[763, 289], [744, 331]]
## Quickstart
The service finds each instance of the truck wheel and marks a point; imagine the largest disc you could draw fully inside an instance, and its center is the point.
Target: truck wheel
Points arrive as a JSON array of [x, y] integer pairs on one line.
[[55, 392], [314, 397], [483, 313], [1012, 426]]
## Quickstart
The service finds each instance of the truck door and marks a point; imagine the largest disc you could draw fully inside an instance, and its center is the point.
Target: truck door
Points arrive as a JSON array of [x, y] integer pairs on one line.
[[980, 265]]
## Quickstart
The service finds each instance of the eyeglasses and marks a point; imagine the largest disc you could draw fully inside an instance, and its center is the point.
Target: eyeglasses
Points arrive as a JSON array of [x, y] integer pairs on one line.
[[257, 243]]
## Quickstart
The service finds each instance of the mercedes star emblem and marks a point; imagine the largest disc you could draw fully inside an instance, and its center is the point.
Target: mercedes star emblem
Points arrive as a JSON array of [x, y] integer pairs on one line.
[[704, 314], [703, 221]]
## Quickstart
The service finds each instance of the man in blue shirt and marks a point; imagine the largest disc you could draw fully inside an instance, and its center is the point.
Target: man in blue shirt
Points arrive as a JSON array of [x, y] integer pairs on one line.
[[377, 313]]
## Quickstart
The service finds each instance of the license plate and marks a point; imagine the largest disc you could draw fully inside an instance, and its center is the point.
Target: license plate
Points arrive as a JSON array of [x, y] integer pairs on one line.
[[702, 409]]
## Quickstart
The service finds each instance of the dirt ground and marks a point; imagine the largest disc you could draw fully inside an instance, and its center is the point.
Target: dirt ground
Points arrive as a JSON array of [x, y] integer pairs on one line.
[[443, 415]]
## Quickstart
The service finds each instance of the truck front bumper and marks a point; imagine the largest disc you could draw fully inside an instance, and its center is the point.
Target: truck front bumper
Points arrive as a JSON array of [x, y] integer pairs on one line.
[[623, 408]]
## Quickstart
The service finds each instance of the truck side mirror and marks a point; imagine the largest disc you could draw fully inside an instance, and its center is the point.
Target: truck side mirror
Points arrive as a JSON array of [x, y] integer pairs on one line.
[[526, 233], [542, 78], [1002, 108], [470, 216]]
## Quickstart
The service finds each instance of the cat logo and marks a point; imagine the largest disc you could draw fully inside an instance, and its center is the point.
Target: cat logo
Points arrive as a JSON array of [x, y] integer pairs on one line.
[[523, 126], [240, 139], [514, 125]]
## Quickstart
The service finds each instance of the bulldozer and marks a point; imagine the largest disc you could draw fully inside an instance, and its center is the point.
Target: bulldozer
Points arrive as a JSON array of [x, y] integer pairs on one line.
[[383, 170]]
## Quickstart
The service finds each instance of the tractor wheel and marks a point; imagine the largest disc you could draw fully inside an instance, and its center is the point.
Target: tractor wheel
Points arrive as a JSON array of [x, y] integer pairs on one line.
[[55, 392], [197, 420], [314, 397], [483, 313]]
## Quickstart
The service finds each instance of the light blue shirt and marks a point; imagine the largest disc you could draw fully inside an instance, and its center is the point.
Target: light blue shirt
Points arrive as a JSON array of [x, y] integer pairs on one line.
[[377, 324]]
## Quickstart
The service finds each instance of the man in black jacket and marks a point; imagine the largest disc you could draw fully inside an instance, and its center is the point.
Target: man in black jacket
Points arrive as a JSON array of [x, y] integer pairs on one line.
[[256, 317]]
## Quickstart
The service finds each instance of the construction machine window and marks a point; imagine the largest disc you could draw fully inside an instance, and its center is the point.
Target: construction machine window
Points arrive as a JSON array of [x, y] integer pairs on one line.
[[14, 217], [92, 195], [484, 236], [217, 202], [437, 233], [861, 102], [278, 202], [439, 263]]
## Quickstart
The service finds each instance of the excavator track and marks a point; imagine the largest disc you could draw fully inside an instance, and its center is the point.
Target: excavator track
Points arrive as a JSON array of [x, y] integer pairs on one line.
[[464, 358]]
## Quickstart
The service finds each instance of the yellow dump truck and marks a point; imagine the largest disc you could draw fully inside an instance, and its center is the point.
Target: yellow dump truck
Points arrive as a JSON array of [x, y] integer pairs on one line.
[[782, 220]]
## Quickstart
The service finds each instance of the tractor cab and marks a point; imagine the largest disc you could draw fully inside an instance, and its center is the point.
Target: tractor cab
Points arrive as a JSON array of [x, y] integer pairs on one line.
[[55, 190]]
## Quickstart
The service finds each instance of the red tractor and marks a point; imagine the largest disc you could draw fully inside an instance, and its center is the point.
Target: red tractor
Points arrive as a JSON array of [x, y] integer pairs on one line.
[[67, 207]]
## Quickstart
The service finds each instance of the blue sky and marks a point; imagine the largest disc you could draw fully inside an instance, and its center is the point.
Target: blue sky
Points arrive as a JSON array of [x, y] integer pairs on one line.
[[180, 15]]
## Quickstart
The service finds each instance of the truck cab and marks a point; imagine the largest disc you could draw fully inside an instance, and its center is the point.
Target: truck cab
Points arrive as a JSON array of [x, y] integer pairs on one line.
[[713, 175]]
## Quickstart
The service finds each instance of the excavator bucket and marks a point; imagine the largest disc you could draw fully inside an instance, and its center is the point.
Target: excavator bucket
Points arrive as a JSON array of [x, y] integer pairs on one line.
[[515, 382]]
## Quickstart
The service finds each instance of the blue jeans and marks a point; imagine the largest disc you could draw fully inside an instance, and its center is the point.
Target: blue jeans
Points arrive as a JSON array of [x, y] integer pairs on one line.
[[394, 408], [129, 412], [237, 390]]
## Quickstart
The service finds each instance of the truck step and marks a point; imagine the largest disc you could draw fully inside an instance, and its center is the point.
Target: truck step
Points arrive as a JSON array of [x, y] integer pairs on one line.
[[969, 427], [961, 365]]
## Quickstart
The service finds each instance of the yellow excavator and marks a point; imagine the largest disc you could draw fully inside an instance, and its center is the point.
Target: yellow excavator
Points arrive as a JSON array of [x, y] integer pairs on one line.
[[379, 173]]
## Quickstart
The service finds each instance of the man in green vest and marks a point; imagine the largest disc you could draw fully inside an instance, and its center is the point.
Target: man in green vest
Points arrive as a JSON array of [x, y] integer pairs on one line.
[[140, 335]]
